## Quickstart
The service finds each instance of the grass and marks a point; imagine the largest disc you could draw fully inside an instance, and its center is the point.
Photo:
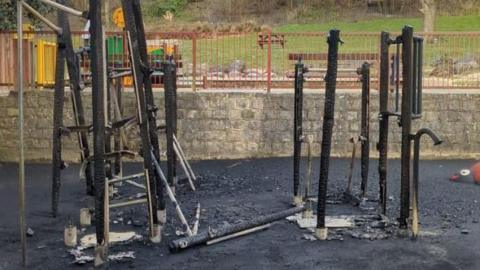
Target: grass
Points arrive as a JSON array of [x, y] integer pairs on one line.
[[443, 23]]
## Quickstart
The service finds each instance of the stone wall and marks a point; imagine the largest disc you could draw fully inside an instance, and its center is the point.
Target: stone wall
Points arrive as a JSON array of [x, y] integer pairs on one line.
[[220, 124]]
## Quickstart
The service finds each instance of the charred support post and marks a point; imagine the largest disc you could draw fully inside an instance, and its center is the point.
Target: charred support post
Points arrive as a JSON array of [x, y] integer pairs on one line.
[[152, 109], [383, 120], [416, 159], [328, 121], [297, 133], [169, 78], [203, 237], [406, 124], [76, 86], [133, 38], [365, 126], [57, 163], [99, 122]]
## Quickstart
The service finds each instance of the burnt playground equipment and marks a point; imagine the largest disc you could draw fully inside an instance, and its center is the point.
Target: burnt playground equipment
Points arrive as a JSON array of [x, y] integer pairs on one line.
[[410, 49], [103, 169]]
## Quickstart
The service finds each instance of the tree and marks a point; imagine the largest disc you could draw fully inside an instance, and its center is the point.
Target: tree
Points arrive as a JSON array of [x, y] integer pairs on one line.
[[429, 10], [8, 13]]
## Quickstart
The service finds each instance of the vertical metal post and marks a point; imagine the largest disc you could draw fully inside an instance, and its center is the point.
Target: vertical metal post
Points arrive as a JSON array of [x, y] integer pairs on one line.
[[365, 124], [297, 132], [383, 120], [21, 161], [194, 63], [406, 123], [269, 63], [328, 121]]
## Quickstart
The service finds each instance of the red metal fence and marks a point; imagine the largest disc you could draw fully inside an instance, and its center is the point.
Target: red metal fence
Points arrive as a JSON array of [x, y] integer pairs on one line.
[[266, 60]]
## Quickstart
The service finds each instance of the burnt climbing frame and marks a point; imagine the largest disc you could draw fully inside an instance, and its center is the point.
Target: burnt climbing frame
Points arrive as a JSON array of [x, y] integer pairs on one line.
[[411, 49]]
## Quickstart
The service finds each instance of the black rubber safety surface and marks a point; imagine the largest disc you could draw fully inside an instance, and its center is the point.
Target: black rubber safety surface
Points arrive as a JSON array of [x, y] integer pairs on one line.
[[234, 190]]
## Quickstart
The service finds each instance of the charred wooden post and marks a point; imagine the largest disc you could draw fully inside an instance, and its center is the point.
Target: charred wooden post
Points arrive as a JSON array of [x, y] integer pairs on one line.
[[140, 95], [383, 120], [365, 126], [328, 121], [169, 78], [97, 54], [297, 132], [151, 107], [406, 124], [57, 163]]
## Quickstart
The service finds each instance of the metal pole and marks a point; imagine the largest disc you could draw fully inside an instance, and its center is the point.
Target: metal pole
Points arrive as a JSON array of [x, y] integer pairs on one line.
[[416, 160], [406, 123], [64, 8], [328, 122], [50, 24], [383, 121], [21, 161]]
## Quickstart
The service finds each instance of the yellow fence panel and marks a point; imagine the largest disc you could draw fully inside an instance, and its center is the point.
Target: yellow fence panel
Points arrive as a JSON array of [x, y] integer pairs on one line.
[[46, 57]]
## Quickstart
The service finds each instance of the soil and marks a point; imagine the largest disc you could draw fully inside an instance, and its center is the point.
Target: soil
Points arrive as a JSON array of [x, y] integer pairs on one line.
[[231, 191]]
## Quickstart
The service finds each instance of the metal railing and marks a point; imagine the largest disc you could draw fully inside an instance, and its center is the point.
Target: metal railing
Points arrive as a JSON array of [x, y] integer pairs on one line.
[[261, 60]]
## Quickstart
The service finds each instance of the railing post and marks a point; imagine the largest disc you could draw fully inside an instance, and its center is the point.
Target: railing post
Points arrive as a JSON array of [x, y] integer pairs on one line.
[[269, 63], [194, 63]]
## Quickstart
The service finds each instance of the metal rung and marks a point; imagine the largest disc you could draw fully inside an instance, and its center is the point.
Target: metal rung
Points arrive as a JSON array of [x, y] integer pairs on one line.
[[128, 203], [128, 177]]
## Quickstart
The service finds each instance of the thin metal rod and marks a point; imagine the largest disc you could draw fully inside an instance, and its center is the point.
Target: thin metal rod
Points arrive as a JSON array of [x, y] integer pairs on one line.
[[128, 203], [171, 195], [354, 141], [21, 160], [64, 8], [182, 163], [241, 233], [125, 178], [184, 157], [416, 170], [35, 13]]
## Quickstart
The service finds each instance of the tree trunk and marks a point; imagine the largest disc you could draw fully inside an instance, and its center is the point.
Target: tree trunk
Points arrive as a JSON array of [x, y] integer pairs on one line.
[[429, 10]]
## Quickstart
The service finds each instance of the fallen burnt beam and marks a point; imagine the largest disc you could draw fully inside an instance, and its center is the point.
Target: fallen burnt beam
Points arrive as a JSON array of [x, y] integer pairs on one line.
[[202, 238]]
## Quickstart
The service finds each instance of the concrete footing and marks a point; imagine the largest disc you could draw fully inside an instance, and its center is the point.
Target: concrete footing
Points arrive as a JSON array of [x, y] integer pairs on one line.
[[156, 236], [101, 255], [297, 200], [162, 216], [85, 217], [70, 236], [308, 213], [321, 233]]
